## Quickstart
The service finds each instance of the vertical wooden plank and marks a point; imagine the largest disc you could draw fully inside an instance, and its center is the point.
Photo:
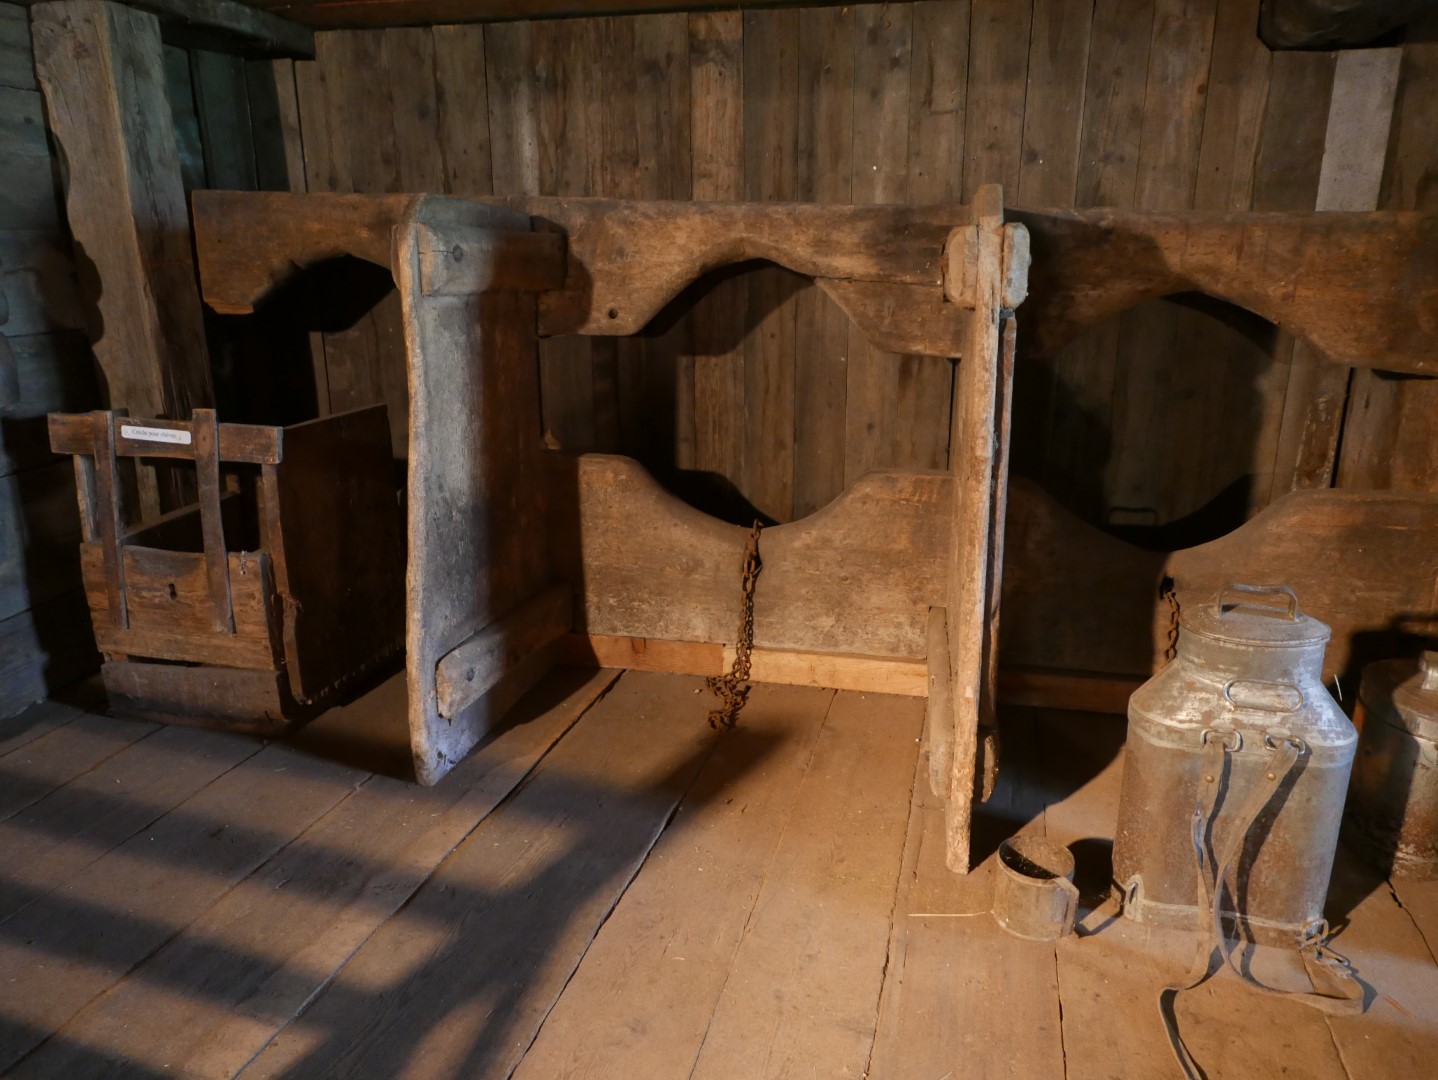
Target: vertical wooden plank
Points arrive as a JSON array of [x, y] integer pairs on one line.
[[409, 69], [1082, 394], [274, 116], [1390, 432], [1154, 388], [126, 207], [660, 405], [771, 78], [1246, 398], [1113, 102], [364, 362], [897, 407], [570, 97], [998, 71], [1233, 120], [1290, 157], [226, 134], [509, 66], [1048, 176], [180, 90], [716, 104], [462, 99], [937, 98], [1053, 103], [821, 329]]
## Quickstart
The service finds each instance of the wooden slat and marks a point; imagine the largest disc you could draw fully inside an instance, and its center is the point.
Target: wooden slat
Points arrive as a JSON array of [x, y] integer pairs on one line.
[[74, 947], [51, 841], [28, 724], [39, 537], [36, 768], [822, 935], [697, 894], [209, 1001], [506, 920], [955, 979], [771, 74], [41, 652], [29, 199], [17, 59], [463, 102], [226, 133], [938, 97], [153, 350], [824, 147], [1389, 431], [994, 114], [476, 666]]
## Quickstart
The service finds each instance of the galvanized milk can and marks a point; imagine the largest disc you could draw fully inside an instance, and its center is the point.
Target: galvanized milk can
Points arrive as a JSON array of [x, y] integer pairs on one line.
[[1236, 749], [1393, 801]]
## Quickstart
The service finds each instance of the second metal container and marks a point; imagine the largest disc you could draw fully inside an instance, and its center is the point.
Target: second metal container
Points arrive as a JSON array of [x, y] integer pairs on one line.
[[1247, 676], [1393, 801]]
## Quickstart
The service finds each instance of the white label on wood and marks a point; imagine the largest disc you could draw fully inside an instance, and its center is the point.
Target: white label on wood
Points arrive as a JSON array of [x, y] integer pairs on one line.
[[155, 434]]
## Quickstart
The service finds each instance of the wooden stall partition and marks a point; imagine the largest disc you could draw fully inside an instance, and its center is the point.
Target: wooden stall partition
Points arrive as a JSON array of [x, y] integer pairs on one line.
[[477, 555]]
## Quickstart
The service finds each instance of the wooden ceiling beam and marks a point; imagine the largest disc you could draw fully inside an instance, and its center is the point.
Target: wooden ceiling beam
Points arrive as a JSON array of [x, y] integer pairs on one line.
[[360, 14], [227, 26]]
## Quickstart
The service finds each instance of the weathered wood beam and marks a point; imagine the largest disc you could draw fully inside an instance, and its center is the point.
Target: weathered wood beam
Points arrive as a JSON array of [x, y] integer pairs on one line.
[[1361, 288], [340, 14], [100, 66], [226, 25]]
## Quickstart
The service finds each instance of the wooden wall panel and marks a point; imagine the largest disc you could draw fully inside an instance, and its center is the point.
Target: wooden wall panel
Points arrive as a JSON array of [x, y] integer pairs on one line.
[[1164, 104], [45, 365]]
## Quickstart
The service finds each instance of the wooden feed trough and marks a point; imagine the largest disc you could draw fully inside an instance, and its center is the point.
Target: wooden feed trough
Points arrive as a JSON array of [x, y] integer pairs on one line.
[[251, 607]]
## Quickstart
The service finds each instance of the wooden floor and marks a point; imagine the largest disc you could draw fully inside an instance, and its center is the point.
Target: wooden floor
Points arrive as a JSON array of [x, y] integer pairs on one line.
[[608, 888]]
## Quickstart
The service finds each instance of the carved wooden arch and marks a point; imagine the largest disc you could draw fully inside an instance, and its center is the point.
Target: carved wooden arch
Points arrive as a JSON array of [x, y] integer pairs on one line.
[[1361, 288]]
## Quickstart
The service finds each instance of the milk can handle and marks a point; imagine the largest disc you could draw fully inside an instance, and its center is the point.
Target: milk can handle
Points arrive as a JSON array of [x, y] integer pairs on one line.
[[1228, 695], [1261, 590]]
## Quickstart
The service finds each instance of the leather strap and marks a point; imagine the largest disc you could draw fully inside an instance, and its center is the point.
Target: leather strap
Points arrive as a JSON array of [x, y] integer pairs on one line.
[[1336, 990]]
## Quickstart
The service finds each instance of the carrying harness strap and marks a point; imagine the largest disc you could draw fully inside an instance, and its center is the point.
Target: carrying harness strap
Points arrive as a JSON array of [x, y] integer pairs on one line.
[[1335, 989]]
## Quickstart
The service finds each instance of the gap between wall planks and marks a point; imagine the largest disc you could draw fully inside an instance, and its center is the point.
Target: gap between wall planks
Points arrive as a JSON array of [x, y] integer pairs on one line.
[[1164, 104]]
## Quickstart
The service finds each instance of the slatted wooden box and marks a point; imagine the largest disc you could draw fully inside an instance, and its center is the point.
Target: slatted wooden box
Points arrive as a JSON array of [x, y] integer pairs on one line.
[[254, 606]]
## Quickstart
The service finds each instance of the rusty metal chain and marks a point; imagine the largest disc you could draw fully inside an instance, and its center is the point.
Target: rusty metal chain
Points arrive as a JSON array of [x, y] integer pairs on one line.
[[1171, 649], [732, 689]]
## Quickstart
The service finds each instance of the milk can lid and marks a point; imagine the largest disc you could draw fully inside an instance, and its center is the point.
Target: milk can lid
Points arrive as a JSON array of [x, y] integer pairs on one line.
[[1412, 688], [1249, 615]]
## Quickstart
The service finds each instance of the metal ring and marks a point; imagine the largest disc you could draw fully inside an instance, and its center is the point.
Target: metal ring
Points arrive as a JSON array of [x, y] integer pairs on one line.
[[1223, 735], [1294, 741]]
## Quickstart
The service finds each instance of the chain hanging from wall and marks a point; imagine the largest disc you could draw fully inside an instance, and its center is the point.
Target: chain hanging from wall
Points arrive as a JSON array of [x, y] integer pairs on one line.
[[732, 689]]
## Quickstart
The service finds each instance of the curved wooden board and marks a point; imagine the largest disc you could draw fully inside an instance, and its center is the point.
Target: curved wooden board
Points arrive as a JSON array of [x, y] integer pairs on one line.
[[1075, 598], [1361, 288], [628, 259], [856, 577]]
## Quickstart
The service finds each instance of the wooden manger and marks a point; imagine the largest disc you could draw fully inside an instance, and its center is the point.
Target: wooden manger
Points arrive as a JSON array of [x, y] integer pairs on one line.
[[519, 557], [250, 608]]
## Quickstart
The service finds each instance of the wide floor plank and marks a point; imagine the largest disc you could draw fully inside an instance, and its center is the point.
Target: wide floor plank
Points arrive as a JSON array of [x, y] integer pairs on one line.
[[49, 842], [59, 954], [803, 991], [209, 1000], [458, 982], [671, 940], [30, 723], [37, 768]]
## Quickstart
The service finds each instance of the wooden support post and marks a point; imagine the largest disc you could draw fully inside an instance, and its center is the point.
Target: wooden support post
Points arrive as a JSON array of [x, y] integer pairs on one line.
[[206, 436], [978, 455], [477, 548], [101, 68]]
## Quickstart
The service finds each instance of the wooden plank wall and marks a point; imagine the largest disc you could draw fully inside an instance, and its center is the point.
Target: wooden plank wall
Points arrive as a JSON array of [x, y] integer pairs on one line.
[[1158, 104], [45, 364]]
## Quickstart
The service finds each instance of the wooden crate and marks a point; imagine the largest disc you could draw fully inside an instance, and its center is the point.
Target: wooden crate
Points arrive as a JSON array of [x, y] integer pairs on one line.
[[254, 606]]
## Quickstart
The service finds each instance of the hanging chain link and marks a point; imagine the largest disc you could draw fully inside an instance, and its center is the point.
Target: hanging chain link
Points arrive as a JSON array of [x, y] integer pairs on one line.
[[732, 689], [1171, 650]]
